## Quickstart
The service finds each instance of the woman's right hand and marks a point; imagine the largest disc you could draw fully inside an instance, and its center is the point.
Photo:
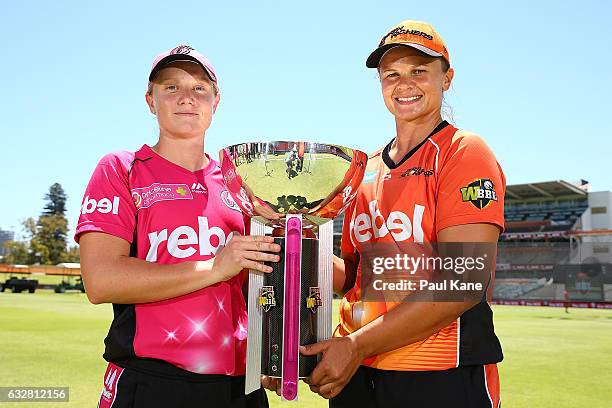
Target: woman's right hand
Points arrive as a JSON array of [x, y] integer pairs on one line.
[[245, 252]]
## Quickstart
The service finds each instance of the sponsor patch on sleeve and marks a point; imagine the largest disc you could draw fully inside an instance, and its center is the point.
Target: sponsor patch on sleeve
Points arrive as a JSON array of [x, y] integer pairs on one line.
[[480, 192]]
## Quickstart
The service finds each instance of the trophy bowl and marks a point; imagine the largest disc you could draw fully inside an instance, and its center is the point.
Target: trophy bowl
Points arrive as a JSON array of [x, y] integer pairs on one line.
[[291, 190], [272, 179]]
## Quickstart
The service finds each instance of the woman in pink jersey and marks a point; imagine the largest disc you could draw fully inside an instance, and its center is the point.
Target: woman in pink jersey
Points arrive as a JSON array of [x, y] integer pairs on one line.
[[431, 183], [161, 239]]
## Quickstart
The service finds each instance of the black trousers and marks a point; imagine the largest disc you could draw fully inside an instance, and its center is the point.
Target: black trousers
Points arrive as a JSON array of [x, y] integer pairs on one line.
[[462, 387], [129, 388]]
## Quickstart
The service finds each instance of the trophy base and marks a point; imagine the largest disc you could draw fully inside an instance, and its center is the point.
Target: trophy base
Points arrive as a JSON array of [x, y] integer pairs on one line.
[[313, 300], [271, 298]]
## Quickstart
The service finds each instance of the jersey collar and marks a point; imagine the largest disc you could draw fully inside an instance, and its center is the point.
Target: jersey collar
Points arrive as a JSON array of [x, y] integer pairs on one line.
[[391, 164], [144, 153]]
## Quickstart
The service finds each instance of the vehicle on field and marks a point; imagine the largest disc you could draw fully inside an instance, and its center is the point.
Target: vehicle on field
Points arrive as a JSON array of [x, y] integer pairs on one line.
[[17, 285]]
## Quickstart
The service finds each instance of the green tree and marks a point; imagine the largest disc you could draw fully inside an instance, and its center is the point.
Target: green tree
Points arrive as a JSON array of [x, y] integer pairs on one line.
[[36, 252], [73, 254], [49, 235], [28, 251], [56, 201], [46, 241], [18, 253], [49, 241]]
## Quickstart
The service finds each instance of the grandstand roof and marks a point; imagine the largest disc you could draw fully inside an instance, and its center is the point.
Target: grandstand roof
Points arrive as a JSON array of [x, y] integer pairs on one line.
[[545, 190]]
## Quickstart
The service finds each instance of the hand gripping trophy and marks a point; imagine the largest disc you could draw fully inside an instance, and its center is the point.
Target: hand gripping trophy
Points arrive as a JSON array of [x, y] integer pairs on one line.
[[292, 190]]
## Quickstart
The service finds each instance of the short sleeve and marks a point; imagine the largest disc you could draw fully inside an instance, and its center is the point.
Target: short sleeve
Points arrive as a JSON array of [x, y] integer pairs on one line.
[[471, 185], [107, 204]]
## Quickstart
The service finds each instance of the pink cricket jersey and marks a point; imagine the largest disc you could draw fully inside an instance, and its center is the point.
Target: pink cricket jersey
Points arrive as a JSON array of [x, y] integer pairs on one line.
[[173, 215]]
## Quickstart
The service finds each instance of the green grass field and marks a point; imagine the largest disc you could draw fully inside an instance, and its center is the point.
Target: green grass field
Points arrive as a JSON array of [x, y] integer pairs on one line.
[[552, 359]]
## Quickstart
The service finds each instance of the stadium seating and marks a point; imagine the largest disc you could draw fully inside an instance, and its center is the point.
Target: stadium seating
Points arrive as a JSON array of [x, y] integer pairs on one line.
[[564, 212], [532, 253], [515, 288]]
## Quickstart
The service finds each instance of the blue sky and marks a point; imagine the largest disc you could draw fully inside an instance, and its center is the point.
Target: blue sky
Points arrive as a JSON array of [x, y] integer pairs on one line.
[[532, 77]]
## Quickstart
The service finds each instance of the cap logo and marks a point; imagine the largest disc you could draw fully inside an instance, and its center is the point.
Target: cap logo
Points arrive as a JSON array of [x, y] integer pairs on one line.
[[401, 31], [182, 49]]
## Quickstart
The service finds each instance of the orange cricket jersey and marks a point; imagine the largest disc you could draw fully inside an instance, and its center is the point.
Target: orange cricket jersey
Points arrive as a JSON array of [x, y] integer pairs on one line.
[[451, 178]]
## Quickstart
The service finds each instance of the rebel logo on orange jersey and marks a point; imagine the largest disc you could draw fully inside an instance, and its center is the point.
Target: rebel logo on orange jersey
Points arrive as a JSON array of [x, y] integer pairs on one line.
[[480, 192], [398, 224]]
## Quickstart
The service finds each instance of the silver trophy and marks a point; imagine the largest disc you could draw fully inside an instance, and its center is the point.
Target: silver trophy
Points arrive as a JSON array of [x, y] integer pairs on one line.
[[292, 190]]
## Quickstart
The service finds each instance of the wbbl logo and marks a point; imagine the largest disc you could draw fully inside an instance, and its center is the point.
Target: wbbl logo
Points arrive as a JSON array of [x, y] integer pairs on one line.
[[480, 193]]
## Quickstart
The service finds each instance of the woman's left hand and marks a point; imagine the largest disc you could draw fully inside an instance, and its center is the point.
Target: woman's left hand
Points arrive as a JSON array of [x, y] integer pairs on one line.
[[341, 359]]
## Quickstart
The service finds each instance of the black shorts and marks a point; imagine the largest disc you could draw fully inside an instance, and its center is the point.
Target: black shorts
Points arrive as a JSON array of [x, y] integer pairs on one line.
[[462, 387], [129, 388]]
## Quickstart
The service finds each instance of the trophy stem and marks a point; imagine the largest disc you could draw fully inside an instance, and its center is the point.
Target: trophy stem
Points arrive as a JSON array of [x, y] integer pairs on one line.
[[291, 331], [254, 338], [325, 280]]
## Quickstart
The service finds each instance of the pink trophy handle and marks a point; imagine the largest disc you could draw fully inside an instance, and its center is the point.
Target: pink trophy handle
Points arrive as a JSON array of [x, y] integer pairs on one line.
[[291, 331]]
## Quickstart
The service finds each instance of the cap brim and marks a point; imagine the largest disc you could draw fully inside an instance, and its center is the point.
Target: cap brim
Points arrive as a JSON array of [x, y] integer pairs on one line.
[[374, 59], [179, 57]]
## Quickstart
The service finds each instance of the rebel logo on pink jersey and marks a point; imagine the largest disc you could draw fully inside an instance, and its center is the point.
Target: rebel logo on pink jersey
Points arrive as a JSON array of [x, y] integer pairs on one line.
[[184, 241], [145, 197], [103, 205]]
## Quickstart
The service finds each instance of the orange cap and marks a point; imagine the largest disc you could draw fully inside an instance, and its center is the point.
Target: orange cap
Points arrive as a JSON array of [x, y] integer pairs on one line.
[[415, 34]]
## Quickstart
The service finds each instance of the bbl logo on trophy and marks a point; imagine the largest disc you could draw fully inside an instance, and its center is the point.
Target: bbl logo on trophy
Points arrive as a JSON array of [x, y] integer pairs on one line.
[[313, 301], [266, 298]]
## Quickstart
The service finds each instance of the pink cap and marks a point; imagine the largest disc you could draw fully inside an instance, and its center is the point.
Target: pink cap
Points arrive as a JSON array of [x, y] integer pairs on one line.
[[182, 53]]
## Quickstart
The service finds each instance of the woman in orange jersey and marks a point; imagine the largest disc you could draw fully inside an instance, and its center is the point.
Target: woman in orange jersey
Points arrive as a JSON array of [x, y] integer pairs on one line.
[[431, 183]]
